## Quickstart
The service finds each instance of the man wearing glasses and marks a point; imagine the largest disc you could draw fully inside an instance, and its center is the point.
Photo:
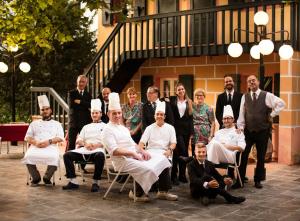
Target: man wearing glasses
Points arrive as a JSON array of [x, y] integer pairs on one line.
[[43, 135]]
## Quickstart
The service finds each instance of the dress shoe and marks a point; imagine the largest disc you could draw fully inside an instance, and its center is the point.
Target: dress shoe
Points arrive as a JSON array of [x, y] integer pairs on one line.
[[258, 185], [237, 200], [47, 181], [166, 196], [237, 185], [175, 181], [70, 186], [143, 198], [35, 183], [95, 188]]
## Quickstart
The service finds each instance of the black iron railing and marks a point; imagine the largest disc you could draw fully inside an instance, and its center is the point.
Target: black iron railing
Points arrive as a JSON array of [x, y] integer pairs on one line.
[[190, 33]]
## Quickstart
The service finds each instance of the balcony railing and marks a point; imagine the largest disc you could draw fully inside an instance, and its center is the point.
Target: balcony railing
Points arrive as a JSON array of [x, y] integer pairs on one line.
[[190, 33]]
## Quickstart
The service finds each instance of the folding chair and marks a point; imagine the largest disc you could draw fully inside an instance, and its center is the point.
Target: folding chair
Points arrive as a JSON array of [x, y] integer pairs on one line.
[[53, 177], [234, 165], [112, 172]]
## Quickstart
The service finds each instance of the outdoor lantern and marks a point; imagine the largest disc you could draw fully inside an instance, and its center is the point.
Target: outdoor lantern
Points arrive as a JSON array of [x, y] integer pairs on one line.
[[261, 18], [13, 48], [235, 49], [3, 67], [286, 52], [255, 52], [266, 46], [25, 67]]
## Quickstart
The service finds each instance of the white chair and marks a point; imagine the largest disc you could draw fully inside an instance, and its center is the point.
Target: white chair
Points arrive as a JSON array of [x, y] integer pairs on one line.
[[112, 172], [234, 165]]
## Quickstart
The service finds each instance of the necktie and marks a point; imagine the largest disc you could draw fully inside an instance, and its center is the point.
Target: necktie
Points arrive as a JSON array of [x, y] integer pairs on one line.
[[154, 106], [254, 97], [106, 108], [229, 98], [81, 93]]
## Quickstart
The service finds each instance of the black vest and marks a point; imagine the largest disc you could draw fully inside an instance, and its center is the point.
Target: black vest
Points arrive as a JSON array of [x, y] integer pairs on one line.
[[257, 113]]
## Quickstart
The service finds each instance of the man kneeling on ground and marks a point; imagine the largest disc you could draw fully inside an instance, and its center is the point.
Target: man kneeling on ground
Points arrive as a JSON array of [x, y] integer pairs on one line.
[[205, 181]]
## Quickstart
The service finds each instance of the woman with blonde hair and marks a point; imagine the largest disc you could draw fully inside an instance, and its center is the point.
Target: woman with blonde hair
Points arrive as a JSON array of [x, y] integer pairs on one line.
[[203, 119], [183, 122], [132, 114]]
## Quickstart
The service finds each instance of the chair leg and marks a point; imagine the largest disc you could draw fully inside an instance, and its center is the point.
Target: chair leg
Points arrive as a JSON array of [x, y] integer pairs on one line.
[[134, 191], [238, 175], [111, 185], [7, 146], [124, 183], [53, 179]]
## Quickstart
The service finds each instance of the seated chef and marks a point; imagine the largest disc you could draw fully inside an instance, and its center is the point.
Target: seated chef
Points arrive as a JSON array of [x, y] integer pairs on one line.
[[43, 135], [91, 149], [145, 167]]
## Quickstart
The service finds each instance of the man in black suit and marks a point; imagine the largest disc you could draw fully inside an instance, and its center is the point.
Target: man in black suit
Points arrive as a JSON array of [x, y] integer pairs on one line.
[[79, 101], [231, 97], [150, 106], [205, 181], [104, 100]]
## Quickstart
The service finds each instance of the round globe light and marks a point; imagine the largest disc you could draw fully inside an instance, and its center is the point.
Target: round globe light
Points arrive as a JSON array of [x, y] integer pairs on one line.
[[14, 48], [25, 67], [255, 52], [261, 18], [266, 46], [286, 52], [3, 67], [235, 50]]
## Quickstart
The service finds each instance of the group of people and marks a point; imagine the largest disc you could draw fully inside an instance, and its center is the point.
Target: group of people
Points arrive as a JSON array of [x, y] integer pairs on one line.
[[151, 141]]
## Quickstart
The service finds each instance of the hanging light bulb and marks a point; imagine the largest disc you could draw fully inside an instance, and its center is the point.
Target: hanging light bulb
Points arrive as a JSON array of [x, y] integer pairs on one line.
[[235, 49], [261, 18], [25, 67], [255, 52], [3, 67], [286, 52], [266, 46]]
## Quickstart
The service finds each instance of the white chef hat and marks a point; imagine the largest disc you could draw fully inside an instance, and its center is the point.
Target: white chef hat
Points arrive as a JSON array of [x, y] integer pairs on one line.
[[160, 106], [114, 101], [43, 101], [95, 105], [228, 111]]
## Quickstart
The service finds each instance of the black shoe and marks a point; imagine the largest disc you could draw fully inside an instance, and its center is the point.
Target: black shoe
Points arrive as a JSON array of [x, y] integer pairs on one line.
[[183, 179], [47, 181], [95, 188], [237, 185], [258, 185], [246, 179], [237, 200], [175, 181], [35, 183], [205, 201], [70, 186]]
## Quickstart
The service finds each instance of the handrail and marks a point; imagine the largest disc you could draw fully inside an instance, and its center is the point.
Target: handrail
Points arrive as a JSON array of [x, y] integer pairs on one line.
[[53, 93]]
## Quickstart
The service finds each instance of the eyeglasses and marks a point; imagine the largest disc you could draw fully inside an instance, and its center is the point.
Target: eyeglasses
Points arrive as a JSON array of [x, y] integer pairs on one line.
[[199, 95]]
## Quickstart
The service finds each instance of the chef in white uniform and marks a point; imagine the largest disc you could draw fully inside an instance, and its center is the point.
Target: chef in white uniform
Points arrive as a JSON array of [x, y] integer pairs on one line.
[[90, 149], [221, 148], [145, 167], [43, 135]]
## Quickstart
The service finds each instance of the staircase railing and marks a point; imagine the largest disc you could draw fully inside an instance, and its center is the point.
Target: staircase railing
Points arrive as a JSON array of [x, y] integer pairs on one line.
[[60, 108], [198, 32]]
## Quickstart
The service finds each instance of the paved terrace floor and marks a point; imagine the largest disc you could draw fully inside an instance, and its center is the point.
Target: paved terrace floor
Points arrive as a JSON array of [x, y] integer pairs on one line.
[[278, 200]]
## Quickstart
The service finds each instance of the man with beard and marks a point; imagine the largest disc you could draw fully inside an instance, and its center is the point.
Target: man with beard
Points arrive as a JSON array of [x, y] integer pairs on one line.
[[43, 135], [229, 97], [257, 109]]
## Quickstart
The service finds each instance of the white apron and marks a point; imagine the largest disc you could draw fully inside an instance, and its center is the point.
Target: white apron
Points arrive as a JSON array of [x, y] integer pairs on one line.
[[48, 155], [145, 173], [218, 153], [83, 150]]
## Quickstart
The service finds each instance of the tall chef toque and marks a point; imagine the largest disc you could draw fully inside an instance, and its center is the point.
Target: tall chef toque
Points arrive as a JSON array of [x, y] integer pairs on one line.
[[95, 105], [228, 111], [160, 106], [114, 101], [43, 101]]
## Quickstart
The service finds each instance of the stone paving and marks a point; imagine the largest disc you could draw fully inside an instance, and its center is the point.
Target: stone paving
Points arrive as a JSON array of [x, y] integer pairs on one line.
[[278, 200]]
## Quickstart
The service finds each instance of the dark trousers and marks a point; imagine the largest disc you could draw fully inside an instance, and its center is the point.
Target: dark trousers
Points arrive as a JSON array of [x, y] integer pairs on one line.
[[72, 135], [164, 183], [137, 136], [35, 174], [199, 191], [260, 139], [97, 158], [181, 149]]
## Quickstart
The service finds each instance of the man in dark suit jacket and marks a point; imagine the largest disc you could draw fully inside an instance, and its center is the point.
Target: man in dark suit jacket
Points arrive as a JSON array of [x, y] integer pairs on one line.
[[228, 97], [79, 101], [205, 181], [104, 100], [150, 106]]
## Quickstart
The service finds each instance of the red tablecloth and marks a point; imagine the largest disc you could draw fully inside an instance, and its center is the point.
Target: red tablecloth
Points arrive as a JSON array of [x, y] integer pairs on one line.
[[13, 132]]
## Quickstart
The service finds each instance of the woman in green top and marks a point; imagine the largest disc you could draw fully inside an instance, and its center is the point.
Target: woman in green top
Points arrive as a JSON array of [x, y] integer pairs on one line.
[[132, 115], [203, 119]]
